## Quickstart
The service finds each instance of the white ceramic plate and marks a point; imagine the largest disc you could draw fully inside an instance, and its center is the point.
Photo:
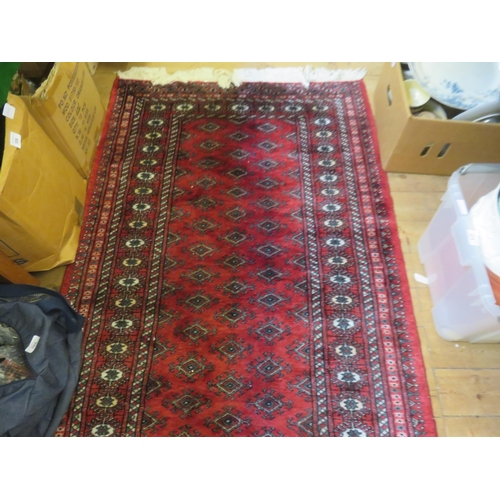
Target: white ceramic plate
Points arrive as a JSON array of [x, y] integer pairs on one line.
[[459, 85], [477, 112]]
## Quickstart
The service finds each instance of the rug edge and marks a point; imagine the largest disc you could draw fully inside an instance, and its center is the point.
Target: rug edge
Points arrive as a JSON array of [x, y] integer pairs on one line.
[[412, 326]]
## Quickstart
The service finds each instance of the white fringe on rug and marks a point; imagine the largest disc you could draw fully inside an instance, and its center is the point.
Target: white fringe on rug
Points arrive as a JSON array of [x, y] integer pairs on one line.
[[159, 76]]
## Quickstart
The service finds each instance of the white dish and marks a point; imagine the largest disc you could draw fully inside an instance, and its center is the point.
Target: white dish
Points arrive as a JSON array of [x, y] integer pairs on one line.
[[416, 95], [459, 85], [479, 111], [427, 114], [436, 109]]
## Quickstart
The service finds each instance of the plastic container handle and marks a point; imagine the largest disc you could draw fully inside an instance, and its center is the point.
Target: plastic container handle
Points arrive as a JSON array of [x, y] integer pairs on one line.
[[479, 168]]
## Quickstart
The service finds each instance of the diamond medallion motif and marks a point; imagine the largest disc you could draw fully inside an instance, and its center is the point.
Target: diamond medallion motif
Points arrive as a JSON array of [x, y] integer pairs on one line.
[[204, 203], [270, 300], [210, 145], [239, 154], [237, 192], [270, 274], [269, 250], [233, 315], [267, 183], [229, 385], [187, 403], [269, 367], [201, 275], [268, 203], [231, 348], [267, 127], [268, 225], [206, 182], [237, 172], [201, 250], [239, 136], [271, 332], [195, 332], [269, 404], [191, 367], [267, 146], [236, 214], [210, 127], [203, 225], [199, 302], [236, 287], [234, 261], [268, 164], [235, 237], [229, 421], [208, 163]]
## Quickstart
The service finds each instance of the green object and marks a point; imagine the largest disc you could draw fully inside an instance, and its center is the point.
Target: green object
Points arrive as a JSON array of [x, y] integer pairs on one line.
[[7, 71]]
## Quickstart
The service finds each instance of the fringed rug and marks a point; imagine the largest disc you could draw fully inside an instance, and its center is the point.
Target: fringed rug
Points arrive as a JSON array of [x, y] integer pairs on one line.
[[240, 269]]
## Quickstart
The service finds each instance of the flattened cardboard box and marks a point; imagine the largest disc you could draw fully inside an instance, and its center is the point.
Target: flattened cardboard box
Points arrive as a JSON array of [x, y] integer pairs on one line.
[[41, 196], [422, 146], [68, 108]]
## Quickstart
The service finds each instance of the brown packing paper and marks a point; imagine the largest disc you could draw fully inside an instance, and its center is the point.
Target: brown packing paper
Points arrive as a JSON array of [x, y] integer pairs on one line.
[[41, 197], [68, 108]]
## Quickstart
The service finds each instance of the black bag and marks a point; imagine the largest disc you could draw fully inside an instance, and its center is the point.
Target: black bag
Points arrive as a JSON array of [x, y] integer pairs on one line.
[[40, 349]]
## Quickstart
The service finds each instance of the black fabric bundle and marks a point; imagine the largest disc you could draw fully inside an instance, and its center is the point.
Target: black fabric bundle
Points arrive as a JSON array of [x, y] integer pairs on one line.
[[40, 349]]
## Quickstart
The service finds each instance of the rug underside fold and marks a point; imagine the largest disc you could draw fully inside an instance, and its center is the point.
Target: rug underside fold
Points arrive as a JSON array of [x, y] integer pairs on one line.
[[226, 78]]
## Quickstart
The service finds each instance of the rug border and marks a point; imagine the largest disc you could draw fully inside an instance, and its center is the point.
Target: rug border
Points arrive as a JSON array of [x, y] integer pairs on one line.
[[412, 328]]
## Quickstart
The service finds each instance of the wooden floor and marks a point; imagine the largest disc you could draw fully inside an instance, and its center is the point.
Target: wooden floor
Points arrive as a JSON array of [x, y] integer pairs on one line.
[[464, 379]]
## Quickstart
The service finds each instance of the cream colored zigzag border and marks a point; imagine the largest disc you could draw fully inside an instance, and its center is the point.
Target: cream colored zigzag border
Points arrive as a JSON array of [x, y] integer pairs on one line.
[[160, 76]]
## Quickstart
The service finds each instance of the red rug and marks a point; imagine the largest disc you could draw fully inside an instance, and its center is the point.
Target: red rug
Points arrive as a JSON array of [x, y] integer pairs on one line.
[[240, 270]]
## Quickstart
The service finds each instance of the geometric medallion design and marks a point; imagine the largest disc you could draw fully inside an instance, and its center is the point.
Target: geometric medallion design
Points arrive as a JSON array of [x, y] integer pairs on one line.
[[270, 274], [199, 302], [191, 367], [269, 404], [187, 403], [270, 331], [229, 385], [231, 349], [195, 332], [233, 315], [269, 367], [228, 421]]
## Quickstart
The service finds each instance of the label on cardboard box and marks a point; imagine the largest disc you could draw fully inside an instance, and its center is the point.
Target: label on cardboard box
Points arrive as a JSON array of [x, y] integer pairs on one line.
[[9, 111], [15, 140]]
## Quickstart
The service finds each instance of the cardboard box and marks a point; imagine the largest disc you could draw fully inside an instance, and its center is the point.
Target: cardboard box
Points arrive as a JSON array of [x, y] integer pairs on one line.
[[419, 145], [92, 67], [68, 108], [41, 196]]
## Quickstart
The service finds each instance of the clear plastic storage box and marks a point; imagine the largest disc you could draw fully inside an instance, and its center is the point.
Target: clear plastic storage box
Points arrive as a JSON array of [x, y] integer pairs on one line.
[[464, 304]]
